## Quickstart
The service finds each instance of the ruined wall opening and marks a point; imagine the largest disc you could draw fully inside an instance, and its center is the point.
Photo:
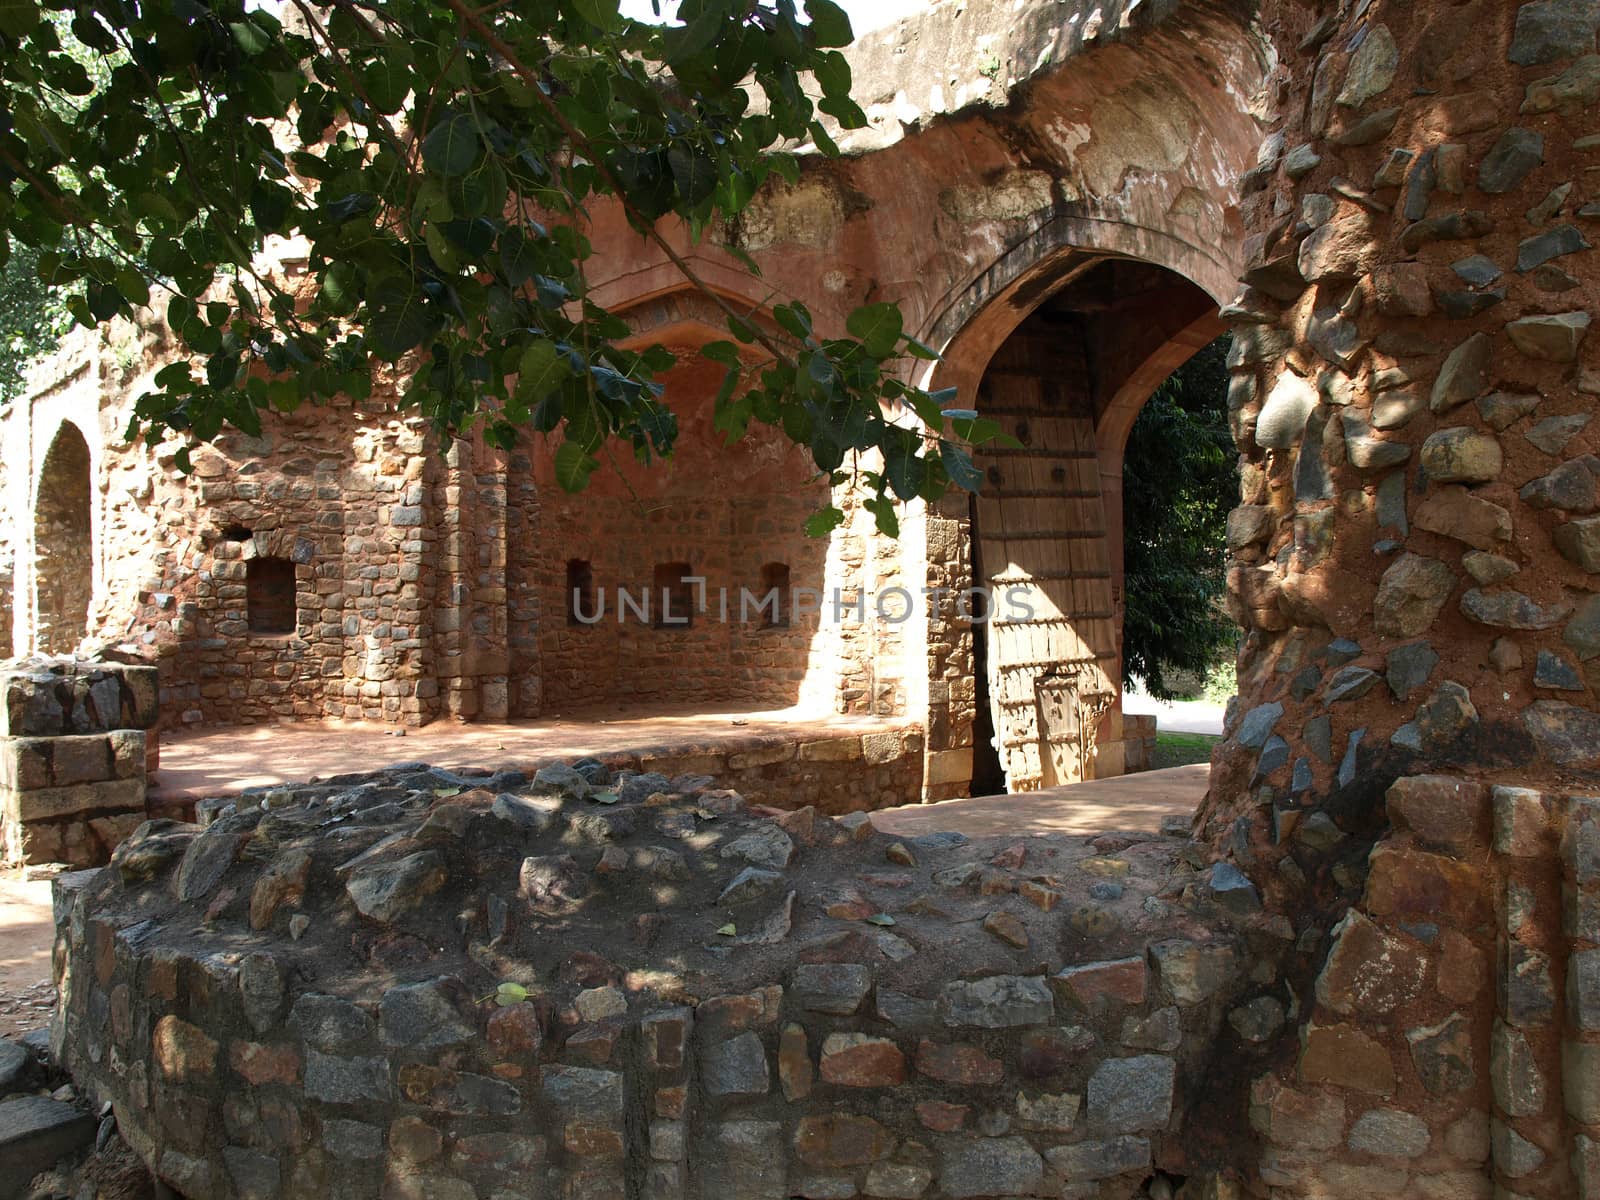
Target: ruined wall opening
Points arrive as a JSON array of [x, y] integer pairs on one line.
[[580, 591], [672, 596], [777, 609], [269, 586], [1046, 528], [63, 544]]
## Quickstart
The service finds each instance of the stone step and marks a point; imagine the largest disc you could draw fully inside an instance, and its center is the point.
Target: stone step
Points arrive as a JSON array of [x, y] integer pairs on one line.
[[34, 1132]]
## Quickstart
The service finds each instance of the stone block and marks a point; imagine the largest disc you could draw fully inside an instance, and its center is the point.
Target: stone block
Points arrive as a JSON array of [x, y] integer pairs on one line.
[[25, 763], [835, 988], [747, 1162], [130, 753], [1521, 822], [35, 1131], [1344, 1056], [1309, 1120], [1389, 1133], [1127, 1095], [54, 803], [1095, 985], [998, 1002], [85, 758], [949, 766], [736, 1067], [1408, 883], [1519, 1085], [1441, 810], [959, 1064], [859, 1060], [1193, 972], [1369, 971], [1580, 1081], [835, 749], [1002, 1166], [1092, 1161]]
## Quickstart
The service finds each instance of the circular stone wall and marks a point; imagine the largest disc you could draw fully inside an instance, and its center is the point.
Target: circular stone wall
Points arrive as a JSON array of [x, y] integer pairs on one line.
[[322, 990]]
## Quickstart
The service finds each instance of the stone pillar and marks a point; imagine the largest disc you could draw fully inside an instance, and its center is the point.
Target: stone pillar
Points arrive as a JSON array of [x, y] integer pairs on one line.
[[1416, 566], [74, 738], [1416, 558]]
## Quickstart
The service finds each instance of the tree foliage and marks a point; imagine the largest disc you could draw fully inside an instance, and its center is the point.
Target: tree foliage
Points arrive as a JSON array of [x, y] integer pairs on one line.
[[436, 159], [32, 319], [1179, 481]]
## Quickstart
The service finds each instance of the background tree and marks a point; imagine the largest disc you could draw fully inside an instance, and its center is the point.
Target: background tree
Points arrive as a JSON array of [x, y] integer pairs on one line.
[[1179, 479], [437, 159], [32, 319]]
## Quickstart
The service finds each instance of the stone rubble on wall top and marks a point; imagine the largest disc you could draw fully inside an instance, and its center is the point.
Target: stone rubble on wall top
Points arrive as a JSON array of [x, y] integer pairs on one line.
[[423, 897]]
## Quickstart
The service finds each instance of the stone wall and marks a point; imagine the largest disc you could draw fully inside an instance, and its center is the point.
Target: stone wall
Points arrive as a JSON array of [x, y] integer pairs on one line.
[[76, 740], [717, 1003], [726, 512], [1413, 396], [1439, 1053]]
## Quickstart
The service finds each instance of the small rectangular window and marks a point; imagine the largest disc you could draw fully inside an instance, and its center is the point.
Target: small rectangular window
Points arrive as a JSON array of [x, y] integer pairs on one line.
[[673, 598], [269, 587], [580, 592], [775, 607]]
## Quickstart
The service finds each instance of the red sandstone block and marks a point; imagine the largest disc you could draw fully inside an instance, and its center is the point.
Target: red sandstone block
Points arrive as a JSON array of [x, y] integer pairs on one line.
[[1440, 809], [957, 1064], [794, 1063], [665, 1036], [1409, 883], [182, 1053], [1344, 1056], [941, 1117], [259, 1064], [671, 1101], [839, 1140], [1120, 981], [856, 1060]]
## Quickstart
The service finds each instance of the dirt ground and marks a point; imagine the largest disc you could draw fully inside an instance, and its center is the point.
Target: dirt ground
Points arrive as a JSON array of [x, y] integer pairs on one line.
[[26, 994]]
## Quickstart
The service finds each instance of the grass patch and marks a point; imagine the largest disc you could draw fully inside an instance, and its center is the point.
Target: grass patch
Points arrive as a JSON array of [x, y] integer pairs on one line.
[[1181, 749]]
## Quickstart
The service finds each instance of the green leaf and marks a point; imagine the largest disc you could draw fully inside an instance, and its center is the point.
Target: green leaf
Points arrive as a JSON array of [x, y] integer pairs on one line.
[[540, 370], [880, 919], [724, 352], [958, 465], [727, 930], [878, 326], [823, 522], [904, 468], [833, 73], [830, 25], [794, 319], [387, 81], [18, 17], [884, 516], [452, 146], [573, 466], [600, 13], [400, 327], [825, 143], [695, 174], [269, 205], [250, 39]]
